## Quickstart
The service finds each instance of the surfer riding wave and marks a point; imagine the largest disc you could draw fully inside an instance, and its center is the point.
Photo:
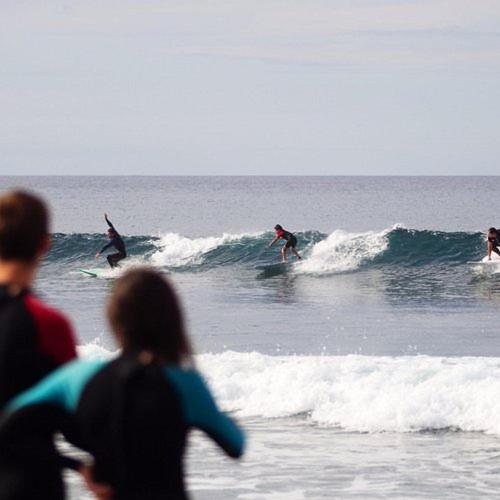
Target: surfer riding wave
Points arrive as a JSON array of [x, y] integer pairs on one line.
[[116, 241], [291, 242]]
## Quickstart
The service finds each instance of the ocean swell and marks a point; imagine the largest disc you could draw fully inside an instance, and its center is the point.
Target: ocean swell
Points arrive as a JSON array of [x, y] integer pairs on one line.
[[339, 251]]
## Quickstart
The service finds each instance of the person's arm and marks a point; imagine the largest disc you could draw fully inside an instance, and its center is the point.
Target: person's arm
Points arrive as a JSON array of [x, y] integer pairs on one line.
[[26, 435], [490, 249], [61, 388], [105, 247], [110, 224], [275, 239], [201, 411]]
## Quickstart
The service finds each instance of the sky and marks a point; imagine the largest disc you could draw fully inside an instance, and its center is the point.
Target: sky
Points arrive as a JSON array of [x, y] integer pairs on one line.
[[232, 87]]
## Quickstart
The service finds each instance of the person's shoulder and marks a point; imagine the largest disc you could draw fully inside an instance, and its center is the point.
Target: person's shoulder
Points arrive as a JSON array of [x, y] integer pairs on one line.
[[43, 311], [82, 368], [54, 330], [187, 380], [185, 373]]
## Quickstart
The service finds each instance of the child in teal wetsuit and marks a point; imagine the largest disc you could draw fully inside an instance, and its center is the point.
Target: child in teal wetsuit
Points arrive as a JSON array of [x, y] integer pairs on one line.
[[133, 413]]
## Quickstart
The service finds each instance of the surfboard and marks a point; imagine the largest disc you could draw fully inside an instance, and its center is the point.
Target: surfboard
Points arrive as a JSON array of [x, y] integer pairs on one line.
[[495, 261], [270, 270], [88, 273]]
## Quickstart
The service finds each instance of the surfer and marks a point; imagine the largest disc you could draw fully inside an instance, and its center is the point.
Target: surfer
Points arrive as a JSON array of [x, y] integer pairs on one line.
[[291, 242], [115, 240], [493, 242]]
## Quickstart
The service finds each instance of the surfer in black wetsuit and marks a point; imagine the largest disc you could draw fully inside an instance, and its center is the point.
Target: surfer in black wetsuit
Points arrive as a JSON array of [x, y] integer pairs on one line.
[[115, 241], [493, 242], [291, 242]]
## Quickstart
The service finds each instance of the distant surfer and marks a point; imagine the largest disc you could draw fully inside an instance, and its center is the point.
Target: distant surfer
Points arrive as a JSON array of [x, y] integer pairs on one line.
[[115, 240], [493, 242], [291, 242]]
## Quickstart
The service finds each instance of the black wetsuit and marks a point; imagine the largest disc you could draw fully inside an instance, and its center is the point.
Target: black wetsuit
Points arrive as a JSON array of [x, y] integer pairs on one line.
[[496, 243], [116, 242], [291, 240], [132, 418], [34, 341]]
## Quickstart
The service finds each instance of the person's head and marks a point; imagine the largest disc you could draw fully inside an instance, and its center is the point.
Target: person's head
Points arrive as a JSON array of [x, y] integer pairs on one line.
[[24, 227], [492, 232], [145, 315], [278, 227], [111, 233]]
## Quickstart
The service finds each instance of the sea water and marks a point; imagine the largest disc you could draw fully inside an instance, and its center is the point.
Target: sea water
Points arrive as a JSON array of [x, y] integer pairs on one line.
[[370, 369]]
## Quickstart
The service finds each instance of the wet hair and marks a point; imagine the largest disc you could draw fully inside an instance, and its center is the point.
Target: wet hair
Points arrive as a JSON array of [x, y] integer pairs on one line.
[[492, 230], [24, 225], [278, 227], [145, 314], [112, 232]]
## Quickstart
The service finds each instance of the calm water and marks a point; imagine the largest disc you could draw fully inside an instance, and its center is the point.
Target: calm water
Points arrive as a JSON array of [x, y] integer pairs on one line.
[[380, 349]]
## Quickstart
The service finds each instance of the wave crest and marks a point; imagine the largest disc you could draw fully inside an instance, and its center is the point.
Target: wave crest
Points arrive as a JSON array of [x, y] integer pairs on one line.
[[323, 254]]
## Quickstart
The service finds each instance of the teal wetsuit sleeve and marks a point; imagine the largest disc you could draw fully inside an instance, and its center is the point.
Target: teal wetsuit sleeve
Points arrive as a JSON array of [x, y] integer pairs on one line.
[[201, 411], [62, 387]]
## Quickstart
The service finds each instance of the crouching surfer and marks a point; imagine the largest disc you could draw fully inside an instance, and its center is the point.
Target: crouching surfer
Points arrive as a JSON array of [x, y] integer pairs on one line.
[[493, 242], [290, 242], [116, 241]]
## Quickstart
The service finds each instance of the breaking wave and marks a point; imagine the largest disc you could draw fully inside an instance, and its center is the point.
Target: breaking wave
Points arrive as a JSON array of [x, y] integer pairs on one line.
[[339, 251], [356, 393]]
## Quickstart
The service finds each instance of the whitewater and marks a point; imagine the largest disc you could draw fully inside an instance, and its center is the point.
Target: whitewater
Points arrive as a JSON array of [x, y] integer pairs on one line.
[[370, 369], [355, 393]]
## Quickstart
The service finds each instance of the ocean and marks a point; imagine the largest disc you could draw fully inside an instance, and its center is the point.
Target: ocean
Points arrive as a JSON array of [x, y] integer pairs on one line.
[[370, 369]]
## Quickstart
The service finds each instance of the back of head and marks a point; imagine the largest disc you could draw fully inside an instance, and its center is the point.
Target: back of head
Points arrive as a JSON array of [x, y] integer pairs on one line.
[[24, 225], [278, 227], [145, 315]]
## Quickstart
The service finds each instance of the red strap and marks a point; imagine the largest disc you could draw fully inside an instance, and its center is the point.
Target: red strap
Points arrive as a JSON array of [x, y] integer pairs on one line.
[[55, 335]]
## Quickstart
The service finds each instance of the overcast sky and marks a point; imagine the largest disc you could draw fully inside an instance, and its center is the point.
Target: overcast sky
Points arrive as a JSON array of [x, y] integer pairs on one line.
[[250, 87]]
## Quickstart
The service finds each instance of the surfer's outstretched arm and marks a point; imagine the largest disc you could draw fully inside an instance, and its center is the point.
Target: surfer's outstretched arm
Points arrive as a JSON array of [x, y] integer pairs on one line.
[[490, 249], [110, 224], [105, 247], [275, 239]]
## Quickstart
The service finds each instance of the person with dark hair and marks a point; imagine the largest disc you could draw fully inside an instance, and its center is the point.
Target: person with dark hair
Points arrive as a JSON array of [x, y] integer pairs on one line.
[[493, 242], [34, 338], [133, 413], [290, 242], [115, 240]]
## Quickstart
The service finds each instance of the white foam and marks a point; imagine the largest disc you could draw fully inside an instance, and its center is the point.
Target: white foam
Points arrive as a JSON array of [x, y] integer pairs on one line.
[[176, 250], [495, 259], [355, 393], [342, 251], [486, 266], [94, 350], [361, 393]]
